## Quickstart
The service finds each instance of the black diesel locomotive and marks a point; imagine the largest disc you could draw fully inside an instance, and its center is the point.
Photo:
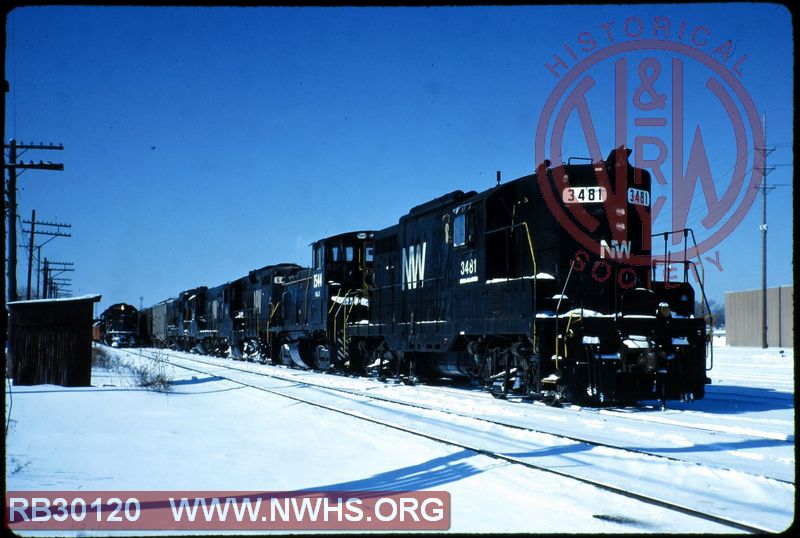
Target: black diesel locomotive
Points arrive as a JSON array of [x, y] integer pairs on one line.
[[119, 326], [542, 287]]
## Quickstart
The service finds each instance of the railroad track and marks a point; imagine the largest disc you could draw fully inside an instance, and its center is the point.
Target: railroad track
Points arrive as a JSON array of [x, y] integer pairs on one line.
[[634, 415], [307, 377], [286, 392]]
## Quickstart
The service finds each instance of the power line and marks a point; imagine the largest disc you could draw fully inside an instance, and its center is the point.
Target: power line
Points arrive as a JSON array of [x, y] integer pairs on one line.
[[14, 167], [32, 232]]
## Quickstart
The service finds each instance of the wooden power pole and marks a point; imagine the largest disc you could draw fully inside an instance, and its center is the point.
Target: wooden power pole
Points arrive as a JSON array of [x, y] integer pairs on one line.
[[14, 151]]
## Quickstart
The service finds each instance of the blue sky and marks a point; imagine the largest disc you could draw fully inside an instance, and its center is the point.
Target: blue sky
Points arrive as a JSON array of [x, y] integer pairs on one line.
[[201, 143]]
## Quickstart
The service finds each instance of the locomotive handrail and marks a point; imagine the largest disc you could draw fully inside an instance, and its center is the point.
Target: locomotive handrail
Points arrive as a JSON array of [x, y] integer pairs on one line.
[[685, 261], [305, 303], [705, 300], [527, 234], [269, 320], [705, 304], [702, 273], [334, 302], [533, 260], [296, 281], [558, 305], [569, 161]]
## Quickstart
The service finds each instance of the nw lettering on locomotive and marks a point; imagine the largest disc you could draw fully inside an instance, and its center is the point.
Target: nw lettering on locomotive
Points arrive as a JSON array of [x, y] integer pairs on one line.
[[618, 249], [414, 266]]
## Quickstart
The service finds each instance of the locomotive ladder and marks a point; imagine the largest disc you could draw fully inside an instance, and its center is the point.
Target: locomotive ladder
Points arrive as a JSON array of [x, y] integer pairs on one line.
[[340, 334]]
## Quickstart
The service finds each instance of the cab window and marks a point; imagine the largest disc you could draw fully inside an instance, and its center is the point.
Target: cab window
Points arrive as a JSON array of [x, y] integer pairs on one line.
[[459, 230], [318, 254]]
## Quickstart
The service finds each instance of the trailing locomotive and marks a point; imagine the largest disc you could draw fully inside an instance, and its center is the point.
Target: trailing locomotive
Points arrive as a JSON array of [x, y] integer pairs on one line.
[[119, 325], [485, 286], [320, 302], [232, 319]]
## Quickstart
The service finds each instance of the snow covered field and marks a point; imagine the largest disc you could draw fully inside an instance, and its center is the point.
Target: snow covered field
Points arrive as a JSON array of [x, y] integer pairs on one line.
[[732, 452]]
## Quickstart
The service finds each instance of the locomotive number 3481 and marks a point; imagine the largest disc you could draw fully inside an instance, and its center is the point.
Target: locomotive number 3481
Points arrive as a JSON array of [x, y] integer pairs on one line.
[[469, 267]]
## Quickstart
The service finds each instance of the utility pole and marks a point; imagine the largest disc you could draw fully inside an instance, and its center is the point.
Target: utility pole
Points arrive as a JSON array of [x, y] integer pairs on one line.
[[54, 286], [764, 189], [44, 279], [764, 241], [61, 287], [30, 251], [33, 231], [3, 310], [13, 149], [38, 270]]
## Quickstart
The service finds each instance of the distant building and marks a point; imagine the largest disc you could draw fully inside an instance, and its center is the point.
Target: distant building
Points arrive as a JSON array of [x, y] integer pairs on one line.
[[743, 317]]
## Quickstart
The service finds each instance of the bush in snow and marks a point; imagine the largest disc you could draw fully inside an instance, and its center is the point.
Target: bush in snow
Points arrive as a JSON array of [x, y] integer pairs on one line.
[[101, 358], [150, 373], [153, 375]]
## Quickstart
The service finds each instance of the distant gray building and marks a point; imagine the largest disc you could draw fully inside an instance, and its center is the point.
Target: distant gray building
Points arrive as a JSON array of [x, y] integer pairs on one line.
[[743, 317]]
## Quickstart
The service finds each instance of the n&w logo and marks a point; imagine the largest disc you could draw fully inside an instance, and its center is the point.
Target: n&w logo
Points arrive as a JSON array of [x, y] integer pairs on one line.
[[413, 266]]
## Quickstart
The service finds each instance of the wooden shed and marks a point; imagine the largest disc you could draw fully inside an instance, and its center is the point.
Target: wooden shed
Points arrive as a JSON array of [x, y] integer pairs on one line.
[[50, 341]]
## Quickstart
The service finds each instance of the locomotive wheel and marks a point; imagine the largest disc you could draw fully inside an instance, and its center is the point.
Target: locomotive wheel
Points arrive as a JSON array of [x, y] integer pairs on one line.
[[555, 398], [551, 399], [249, 350], [480, 375]]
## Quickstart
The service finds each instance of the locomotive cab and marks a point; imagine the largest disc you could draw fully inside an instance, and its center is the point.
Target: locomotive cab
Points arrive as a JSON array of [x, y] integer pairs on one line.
[[262, 309], [344, 261], [119, 325], [318, 302]]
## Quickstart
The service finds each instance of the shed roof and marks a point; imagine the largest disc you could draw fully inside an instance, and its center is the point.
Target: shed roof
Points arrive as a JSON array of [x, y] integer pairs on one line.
[[92, 297]]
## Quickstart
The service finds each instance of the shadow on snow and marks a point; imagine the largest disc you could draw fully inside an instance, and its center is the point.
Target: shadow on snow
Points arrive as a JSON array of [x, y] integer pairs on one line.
[[729, 399]]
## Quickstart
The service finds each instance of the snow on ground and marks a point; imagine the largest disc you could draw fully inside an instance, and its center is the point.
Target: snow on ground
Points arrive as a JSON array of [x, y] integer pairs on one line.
[[211, 434]]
